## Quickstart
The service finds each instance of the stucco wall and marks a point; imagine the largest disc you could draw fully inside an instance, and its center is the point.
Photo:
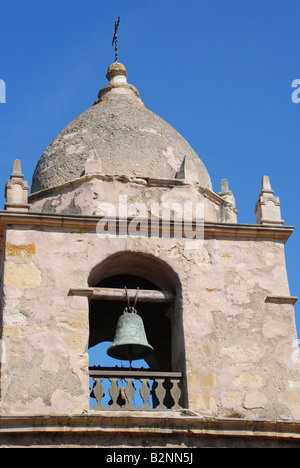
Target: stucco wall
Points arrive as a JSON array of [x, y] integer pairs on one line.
[[240, 350]]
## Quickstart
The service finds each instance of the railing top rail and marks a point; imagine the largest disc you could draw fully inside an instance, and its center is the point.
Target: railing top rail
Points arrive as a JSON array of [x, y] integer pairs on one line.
[[133, 373]]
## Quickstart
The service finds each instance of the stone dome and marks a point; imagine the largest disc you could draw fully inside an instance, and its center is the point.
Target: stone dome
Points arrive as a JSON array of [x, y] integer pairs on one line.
[[124, 136]]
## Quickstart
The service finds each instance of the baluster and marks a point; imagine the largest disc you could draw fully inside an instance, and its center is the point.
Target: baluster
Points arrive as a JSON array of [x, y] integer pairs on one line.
[[160, 393], [114, 393], [129, 393], [145, 392], [98, 392], [175, 393]]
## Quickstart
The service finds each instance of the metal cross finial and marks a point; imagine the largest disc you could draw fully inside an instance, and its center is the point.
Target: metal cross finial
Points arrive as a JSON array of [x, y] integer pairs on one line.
[[115, 38]]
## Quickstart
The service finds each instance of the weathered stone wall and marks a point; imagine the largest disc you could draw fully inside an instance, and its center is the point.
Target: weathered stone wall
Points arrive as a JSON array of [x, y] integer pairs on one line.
[[45, 332], [86, 196], [2, 346], [239, 349]]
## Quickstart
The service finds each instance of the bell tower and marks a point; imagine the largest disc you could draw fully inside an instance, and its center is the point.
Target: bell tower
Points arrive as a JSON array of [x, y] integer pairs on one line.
[[119, 198]]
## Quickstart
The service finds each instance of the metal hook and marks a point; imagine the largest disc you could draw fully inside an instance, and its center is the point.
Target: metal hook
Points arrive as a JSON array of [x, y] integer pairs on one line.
[[136, 297], [127, 295]]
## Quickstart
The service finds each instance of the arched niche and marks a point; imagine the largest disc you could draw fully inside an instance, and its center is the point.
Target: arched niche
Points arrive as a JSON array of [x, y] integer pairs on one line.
[[138, 264], [162, 321]]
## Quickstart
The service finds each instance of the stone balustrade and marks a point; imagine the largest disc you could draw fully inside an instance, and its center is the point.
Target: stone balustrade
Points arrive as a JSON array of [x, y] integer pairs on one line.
[[137, 389]]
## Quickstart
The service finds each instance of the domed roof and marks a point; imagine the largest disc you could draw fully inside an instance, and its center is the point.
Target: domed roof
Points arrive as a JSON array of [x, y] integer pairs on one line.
[[128, 139]]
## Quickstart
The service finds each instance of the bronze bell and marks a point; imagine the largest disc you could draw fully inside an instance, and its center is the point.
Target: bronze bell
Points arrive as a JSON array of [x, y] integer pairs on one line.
[[130, 341]]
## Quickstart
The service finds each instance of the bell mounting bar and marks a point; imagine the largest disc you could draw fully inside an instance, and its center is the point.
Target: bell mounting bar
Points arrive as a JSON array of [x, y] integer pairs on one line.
[[115, 294]]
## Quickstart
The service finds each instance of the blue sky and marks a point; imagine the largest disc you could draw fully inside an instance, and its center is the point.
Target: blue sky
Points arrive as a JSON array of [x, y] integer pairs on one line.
[[219, 71]]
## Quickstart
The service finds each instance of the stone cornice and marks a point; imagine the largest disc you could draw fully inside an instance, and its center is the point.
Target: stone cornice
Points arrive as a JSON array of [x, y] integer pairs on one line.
[[145, 181], [178, 424], [89, 223]]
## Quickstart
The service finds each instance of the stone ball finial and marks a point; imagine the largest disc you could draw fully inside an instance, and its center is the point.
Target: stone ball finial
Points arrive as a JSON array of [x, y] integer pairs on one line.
[[116, 73]]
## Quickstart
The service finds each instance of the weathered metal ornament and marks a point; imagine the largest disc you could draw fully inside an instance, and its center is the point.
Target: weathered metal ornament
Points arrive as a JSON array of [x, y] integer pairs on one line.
[[130, 341]]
